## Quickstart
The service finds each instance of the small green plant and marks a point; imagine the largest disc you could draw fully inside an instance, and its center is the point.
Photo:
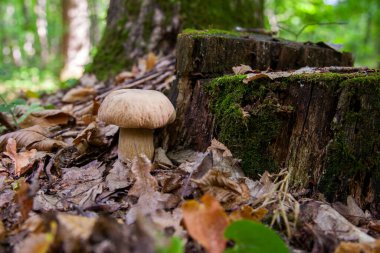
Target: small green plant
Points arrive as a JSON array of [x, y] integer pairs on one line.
[[253, 237], [10, 109]]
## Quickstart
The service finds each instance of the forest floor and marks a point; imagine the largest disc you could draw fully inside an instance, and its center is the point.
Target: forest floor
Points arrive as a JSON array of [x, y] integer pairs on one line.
[[62, 188]]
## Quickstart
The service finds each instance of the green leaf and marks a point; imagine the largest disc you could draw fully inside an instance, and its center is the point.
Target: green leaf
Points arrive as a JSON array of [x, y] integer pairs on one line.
[[17, 101], [254, 237], [5, 108], [175, 246]]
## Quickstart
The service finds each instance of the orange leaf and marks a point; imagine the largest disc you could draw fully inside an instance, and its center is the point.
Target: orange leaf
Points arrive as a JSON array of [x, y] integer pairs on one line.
[[206, 222], [151, 61], [24, 199], [363, 247], [248, 213], [23, 161]]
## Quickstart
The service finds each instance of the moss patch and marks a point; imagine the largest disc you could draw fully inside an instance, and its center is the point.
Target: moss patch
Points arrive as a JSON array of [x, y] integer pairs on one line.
[[210, 32], [247, 120], [354, 154]]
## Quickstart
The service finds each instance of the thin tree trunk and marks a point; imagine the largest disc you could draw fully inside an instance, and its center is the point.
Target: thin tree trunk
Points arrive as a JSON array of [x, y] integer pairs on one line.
[[76, 39], [42, 30]]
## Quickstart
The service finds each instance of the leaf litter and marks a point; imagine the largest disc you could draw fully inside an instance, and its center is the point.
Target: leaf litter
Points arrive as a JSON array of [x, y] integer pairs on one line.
[[62, 187]]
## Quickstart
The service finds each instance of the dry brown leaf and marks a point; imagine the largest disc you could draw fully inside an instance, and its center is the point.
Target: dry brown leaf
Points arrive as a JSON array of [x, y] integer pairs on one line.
[[23, 161], [215, 144], [79, 94], [219, 185], [24, 199], [241, 69], [206, 222], [248, 213], [46, 118], [145, 182], [90, 135], [351, 247], [75, 227], [2, 230], [374, 225], [123, 76], [148, 203], [223, 160], [151, 61], [33, 137], [35, 243]]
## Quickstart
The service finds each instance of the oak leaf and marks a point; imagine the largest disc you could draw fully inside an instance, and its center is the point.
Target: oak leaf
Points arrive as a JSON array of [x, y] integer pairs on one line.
[[206, 222], [46, 118], [227, 191]]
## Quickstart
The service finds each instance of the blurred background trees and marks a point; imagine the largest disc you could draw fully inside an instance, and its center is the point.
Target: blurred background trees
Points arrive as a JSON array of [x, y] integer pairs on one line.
[[41, 39]]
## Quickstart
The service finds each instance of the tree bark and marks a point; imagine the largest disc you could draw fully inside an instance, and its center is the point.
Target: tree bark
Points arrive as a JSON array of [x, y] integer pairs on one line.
[[135, 27], [76, 40]]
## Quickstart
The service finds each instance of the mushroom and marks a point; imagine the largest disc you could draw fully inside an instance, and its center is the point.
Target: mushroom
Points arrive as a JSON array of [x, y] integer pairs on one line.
[[137, 113]]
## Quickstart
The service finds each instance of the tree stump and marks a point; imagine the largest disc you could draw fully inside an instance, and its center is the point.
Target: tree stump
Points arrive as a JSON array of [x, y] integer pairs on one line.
[[324, 127]]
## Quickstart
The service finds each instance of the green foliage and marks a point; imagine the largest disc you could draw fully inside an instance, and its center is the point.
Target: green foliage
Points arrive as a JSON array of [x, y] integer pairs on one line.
[[175, 246], [354, 24], [10, 109], [254, 237]]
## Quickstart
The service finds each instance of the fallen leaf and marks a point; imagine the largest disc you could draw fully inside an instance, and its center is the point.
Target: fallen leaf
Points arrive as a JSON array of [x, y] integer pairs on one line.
[[79, 94], [33, 137], [151, 61], [352, 247], [164, 220], [23, 161], [223, 160], [35, 243], [123, 76], [75, 227], [219, 185], [206, 222], [23, 198], [351, 211], [120, 176], [91, 135], [241, 69], [46, 118], [145, 182], [248, 213], [148, 203], [330, 222]]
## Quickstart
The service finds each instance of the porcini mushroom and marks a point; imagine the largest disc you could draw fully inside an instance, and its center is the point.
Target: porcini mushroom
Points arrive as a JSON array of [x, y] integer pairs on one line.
[[137, 113]]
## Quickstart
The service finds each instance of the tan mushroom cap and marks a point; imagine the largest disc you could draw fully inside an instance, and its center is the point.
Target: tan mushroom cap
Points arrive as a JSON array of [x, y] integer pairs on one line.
[[134, 108]]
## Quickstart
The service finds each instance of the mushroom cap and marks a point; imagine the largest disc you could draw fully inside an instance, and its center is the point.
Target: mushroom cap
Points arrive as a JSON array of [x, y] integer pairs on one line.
[[134, 108]]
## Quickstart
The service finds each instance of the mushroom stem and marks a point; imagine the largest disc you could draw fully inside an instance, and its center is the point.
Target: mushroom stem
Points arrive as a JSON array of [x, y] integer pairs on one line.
[[134, 141]]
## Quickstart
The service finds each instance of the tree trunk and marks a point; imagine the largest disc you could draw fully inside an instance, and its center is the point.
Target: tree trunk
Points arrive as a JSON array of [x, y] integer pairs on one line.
[[76, 40], [135, 27]]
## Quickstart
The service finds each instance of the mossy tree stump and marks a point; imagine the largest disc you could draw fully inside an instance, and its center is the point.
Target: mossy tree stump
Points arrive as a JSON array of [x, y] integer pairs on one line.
[[323, 127]]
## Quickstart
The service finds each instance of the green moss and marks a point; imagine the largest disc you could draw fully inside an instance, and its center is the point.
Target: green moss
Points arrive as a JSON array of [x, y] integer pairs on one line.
[[210, 32], [246, 120], [354, 153]]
